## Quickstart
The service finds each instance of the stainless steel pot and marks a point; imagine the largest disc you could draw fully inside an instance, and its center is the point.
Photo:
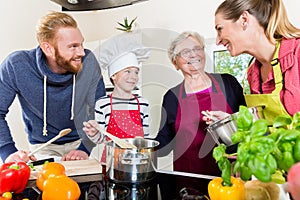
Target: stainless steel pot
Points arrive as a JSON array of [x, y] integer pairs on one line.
[[132, 165], [222, 130]]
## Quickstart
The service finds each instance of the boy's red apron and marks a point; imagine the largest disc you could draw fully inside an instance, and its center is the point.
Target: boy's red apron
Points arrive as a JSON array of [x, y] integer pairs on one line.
[[124, 124], [191, 153]]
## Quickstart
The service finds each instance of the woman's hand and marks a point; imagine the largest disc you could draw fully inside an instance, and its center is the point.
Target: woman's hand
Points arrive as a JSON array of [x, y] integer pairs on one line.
[[89, 127], [212, 116]]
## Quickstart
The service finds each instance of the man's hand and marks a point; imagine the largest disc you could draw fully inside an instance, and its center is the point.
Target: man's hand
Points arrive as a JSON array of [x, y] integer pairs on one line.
[[75, 155], [20, 156]]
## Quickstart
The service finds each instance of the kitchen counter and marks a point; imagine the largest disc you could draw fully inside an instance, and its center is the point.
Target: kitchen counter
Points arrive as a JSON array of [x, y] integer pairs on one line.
[[166, 185]]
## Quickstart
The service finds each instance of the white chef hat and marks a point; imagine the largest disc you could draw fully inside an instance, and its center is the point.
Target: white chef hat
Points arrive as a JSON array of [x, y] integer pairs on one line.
[[122, 51]]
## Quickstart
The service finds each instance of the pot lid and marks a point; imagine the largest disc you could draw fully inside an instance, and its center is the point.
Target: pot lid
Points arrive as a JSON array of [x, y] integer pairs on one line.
[[85, 5]]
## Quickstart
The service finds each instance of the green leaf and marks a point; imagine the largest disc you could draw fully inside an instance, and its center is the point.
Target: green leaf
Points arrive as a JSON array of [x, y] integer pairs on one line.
[[290, 135], [271, 162], [236, 166], [245, 173], [244, 119], [126, 21], [274, 135], [296, 148], [238, 136], [122, 25], [132, 21], [262, 170], [277, 154], [262, 145], [243, 152], [259, 127], [219, 152], [226, 173], [296, 118], [121, 29], [282, 120], [288, 160]]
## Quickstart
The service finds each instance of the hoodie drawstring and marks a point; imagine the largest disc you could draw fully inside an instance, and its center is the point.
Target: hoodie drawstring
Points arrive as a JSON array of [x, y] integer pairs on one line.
[[45, 107], [45, 103], [73, 97]]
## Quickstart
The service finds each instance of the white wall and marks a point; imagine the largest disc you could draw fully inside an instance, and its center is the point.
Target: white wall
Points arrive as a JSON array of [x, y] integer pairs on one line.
[[167, 17]]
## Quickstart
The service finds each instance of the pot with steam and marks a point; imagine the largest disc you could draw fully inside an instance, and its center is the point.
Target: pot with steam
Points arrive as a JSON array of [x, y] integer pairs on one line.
[[132, 165]]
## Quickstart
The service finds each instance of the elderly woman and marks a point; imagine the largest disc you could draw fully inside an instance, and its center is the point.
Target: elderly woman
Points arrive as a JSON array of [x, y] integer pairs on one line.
[[182, 128]]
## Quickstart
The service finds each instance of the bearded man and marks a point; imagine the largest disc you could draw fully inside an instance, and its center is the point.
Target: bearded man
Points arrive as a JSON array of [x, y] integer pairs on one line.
[[57, 84]]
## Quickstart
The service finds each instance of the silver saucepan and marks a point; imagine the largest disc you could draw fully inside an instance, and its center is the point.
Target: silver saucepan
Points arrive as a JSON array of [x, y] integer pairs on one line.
[[222, 130], [132, 165]]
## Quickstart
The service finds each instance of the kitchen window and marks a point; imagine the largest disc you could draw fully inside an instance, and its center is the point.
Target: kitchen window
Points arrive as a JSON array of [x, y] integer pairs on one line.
[[222, 62]]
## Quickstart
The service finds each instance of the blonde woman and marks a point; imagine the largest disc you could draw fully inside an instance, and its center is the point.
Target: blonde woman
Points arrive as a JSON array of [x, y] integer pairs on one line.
[[262, 29]]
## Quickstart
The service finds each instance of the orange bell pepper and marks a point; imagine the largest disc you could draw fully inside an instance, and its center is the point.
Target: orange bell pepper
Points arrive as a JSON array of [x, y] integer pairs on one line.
[[217, 191], [48, 170], [62, 187]]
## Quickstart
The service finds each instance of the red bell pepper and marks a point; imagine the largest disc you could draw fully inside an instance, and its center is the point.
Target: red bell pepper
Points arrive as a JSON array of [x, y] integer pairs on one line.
[[14, 177]]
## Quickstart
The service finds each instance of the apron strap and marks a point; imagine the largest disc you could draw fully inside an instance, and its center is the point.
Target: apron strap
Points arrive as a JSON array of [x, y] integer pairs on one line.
[[138, 102], [277, 71], [278, 79], [111, 107], [244, 76], [110, 99]]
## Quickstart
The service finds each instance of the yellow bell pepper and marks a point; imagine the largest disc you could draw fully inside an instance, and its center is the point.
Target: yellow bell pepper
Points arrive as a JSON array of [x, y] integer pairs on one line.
[[48, 170], [60, 187], [217, 191], [55, 184]]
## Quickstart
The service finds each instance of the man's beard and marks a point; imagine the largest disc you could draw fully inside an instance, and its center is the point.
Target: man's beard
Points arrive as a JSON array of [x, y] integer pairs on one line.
[[66, 64]]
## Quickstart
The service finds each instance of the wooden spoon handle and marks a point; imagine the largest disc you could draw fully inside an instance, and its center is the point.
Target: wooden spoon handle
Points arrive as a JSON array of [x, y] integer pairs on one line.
[[61, 134], [119, 141]]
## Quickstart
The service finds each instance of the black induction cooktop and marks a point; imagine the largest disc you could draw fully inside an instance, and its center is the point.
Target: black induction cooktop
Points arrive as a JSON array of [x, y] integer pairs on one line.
[[163, 186]]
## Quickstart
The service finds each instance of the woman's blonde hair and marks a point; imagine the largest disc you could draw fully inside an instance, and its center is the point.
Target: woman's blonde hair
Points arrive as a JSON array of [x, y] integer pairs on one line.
[[180, 38], [271, 15], [49, 24]]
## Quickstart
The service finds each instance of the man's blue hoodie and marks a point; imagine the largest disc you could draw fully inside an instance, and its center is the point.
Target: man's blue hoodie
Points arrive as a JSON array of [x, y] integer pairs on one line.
[[25, 74]]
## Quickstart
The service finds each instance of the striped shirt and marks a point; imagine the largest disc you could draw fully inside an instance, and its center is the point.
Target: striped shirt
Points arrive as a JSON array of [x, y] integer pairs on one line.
[[103, 111]]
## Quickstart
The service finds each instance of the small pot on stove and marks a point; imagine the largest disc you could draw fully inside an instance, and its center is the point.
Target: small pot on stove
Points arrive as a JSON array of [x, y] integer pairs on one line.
[[132, 165]]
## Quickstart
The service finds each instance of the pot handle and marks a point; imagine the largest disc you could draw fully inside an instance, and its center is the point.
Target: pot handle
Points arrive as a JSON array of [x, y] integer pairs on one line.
[[139, 159], [215, 138]]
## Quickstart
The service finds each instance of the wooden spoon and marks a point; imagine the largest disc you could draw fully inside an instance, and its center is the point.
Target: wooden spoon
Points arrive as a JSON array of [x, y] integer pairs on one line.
[[119, 141], [60, 134]]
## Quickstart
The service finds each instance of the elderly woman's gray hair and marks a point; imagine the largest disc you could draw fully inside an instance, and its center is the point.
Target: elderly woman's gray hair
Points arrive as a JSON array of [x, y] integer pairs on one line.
[[182, 37]]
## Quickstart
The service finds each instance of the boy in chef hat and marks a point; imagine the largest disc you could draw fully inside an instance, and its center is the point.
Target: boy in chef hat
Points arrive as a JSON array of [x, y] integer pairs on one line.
[[121, 113]]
